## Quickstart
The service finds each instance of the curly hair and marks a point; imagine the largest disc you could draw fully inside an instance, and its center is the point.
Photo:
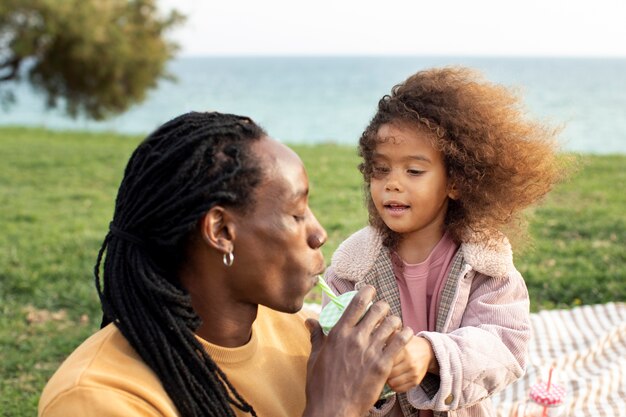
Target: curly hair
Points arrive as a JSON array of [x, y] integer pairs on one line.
[[499, 160]]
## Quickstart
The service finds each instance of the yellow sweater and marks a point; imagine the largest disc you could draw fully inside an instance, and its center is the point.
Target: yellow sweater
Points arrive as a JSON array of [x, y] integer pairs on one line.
[[104, 376]]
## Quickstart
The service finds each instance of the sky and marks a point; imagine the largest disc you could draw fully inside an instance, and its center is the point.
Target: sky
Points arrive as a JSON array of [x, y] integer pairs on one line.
[[391, 27]]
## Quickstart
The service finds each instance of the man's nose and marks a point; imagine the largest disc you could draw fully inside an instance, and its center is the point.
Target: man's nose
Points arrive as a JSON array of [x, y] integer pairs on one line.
[[317, 236], [316, 240]]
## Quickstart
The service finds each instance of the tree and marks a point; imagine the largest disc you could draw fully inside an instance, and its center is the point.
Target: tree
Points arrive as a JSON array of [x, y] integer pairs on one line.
[[98, 57]]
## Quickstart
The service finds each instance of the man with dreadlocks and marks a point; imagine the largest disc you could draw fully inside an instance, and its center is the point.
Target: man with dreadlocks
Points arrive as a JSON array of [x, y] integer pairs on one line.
[[209, 256]]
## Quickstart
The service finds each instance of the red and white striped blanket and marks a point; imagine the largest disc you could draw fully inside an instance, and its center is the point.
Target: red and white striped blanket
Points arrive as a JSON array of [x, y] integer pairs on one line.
[[587, 348]]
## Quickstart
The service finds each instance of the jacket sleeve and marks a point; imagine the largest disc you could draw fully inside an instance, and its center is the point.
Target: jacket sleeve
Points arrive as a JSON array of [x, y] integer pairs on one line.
[[488, 348]]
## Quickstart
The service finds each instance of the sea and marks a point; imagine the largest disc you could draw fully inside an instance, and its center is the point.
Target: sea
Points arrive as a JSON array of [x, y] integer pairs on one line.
[[315, 99]]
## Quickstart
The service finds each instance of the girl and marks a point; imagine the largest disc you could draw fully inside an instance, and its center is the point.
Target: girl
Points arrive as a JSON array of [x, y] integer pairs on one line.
[[449, 162]]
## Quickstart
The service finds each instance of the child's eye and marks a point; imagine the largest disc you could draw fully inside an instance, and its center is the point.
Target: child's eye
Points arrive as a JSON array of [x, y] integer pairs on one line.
[[415, 172], [380, 170]]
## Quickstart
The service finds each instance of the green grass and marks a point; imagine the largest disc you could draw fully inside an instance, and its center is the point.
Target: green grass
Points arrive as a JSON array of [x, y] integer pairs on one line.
[[579, 235], [57, 191]]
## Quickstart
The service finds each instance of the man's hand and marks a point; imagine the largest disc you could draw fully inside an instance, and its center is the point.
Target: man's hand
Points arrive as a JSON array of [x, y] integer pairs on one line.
[[411, 365], [348, 368]]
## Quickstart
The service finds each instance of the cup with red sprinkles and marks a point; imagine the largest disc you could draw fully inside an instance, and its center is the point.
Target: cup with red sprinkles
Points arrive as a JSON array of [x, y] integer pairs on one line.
[[547, 395]]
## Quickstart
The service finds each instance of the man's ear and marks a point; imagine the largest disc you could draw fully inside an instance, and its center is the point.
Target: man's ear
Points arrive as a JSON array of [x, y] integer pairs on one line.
[[218, 229]]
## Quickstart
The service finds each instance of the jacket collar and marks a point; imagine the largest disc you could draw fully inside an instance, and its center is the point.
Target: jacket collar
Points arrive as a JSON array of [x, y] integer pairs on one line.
[[357, 255]]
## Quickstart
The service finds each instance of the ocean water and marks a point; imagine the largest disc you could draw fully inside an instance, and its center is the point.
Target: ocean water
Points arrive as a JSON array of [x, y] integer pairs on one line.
[[331, 99]]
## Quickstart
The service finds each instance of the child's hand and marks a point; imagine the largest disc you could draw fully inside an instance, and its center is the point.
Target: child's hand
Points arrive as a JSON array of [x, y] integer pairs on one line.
[[411, 365]]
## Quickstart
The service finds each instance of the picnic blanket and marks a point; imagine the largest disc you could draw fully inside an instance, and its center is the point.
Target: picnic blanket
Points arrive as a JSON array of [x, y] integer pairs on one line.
[[587, 348]]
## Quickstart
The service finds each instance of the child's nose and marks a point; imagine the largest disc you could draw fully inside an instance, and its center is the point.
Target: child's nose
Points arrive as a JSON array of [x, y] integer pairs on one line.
[[392, 185]]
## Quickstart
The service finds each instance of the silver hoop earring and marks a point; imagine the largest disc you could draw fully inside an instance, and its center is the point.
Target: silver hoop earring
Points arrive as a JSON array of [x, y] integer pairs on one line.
[[228, 259]]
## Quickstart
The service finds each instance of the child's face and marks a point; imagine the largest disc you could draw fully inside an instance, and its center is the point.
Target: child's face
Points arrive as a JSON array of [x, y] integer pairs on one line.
[[409, 184]]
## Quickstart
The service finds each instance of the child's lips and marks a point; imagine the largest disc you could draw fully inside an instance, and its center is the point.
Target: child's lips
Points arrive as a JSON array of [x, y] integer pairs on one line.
[[395, 207]]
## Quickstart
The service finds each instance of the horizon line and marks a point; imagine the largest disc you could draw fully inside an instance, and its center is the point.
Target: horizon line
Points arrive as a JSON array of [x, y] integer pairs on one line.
[[389, 55]]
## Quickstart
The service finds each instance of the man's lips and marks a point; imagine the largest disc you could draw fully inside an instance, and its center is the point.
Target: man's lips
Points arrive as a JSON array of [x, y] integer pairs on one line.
[[318, 274]]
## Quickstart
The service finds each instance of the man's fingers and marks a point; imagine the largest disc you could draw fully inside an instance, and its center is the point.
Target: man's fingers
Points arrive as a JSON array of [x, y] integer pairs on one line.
[[317, 336], [357, 307], [397, 342], [388, 326], [374, 316]]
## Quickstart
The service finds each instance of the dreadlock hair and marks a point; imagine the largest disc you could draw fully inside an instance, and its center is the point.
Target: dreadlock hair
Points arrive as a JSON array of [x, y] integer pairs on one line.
[[187, 166]]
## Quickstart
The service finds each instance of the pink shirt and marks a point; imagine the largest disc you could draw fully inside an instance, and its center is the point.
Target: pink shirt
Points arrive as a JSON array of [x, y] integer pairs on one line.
[[420, 285], [420, 291]]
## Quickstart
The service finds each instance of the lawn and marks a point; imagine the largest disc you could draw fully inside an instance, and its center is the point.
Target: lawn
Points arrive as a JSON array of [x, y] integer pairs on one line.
[[57, 191]]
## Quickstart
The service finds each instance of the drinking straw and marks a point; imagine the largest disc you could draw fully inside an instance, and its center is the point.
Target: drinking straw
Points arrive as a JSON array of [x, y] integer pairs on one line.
[[329, 292], [545, 408], [549, 378]]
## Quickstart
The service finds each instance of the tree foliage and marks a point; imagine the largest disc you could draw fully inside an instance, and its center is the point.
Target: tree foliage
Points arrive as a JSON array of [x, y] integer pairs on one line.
[[96, 57]]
